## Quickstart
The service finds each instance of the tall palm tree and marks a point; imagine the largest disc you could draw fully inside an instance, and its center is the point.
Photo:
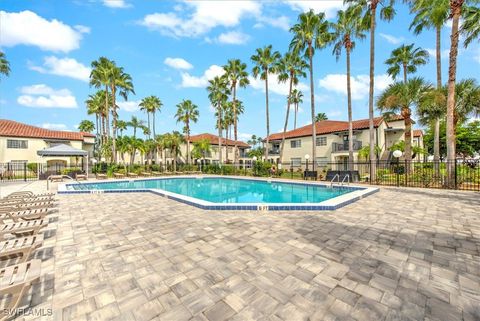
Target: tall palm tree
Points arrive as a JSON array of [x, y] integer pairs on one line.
[[369, 8], [236, 75], [467, 100], [218, 95], [470, 26], [161, 145], [95, 106], [227, 123], [296, 98], [456, 8], [312, 31], [121, 126], [100, 77], [201, 149], [349, 25], [4, 65], [187, 112], [290, 67], [86, 126], [432, 14], [406, 58], [402, 97], [135, 123], [122, 82], [150, 105], [265, 61]]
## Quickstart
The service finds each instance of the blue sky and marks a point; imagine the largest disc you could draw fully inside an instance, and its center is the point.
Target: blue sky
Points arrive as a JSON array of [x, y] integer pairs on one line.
[[171, 49]]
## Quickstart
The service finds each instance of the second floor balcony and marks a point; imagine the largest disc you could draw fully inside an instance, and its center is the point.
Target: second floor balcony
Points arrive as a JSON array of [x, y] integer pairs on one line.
[[343, 147]]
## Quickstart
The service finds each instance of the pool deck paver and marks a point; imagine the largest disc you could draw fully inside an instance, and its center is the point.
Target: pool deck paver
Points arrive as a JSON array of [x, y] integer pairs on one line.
[[400, 254]]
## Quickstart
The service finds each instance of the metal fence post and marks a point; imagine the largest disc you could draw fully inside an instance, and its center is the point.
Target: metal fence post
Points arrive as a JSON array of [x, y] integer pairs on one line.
[[24, 172], [455, 174]]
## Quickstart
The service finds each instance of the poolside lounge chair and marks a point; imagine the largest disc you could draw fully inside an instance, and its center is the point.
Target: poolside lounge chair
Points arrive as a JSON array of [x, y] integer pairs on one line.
[[15, 281], [23, 246], [26, 215], [27, 205], [156, 173], [132, 175], [26, 199], [56, 178], [22, 228], [30, 194], [179, 173], [146, 174], [81, 176], [118, 175], [101, 176]]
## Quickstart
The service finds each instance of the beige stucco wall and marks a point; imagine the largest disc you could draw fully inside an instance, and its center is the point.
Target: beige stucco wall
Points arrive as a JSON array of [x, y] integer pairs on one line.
[[35, 144]]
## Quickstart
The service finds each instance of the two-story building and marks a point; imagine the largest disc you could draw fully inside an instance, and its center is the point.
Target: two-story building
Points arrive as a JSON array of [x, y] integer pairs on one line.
[[211, 157], [21, 143], [332, 140]]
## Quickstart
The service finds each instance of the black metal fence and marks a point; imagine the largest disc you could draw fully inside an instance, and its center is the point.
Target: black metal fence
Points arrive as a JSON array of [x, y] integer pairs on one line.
[[21, 171]]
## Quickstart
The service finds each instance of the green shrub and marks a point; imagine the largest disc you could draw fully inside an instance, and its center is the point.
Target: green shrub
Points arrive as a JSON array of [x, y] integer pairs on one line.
[[261, 168], [33, 167]]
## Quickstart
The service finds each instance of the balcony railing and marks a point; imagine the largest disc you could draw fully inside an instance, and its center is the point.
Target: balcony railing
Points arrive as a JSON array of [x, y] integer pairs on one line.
[[274, 151], [343, 147]]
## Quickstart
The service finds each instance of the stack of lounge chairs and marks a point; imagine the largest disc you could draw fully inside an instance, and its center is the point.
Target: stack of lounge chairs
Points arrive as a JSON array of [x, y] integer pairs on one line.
[[22, 216]]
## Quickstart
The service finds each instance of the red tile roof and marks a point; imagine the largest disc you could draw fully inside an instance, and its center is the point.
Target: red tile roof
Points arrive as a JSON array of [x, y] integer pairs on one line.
[[213, 139], [12, 128], [417, 132]]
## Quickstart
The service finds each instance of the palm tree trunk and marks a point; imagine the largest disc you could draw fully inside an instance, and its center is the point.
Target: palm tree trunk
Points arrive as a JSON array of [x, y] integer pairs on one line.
[[153, 123], [235, 147], [350, 124], [408, 136], [371, 129], [436, 144], [436, 133], [312, 108], [114, 133], [404, 73], [148, 119], [267, 116], [439, 57], [188, 142], [134, 131], [107, 112], [219, 134], [286, 119], [456, 6], [295, 121]]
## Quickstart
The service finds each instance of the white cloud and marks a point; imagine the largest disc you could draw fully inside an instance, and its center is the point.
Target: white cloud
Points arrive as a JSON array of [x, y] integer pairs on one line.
[[27, 28], [121, 4], [282, 22], [177, 63], [68, 67], [359, 84], [330, 7], [274, 86], [82, 28], [233, 38], [392, 39], [203, 17], [189, 81], [43, 96], [244, 136], [130, 105], [54, 126], [443, 53]]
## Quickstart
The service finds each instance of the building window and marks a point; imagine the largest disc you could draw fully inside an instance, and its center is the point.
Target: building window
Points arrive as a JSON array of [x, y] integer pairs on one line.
[[17, 144], [322, 141], [322, 161], [296, 162], [296, 143]]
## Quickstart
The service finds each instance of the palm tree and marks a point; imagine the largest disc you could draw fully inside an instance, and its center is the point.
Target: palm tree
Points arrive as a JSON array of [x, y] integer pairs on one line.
[[86, 126], [406, 58], [218, 95], [312, 31], [467, 101], [187, 112], [349, 25], [121, 81], [401, 97], [201, 148], [290, 67], [456, 8], [160, 143], [100, 77], [135, 123], [470, 26], [369, 8], [236, 75], [95, 106], [121, 126], [173, 142], [296, 98], [151, 104], [321, 117], [265, 62], [4, 65]]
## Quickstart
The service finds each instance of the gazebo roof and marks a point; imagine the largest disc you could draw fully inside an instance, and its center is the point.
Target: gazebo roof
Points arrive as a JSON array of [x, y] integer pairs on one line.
[[62, 150]]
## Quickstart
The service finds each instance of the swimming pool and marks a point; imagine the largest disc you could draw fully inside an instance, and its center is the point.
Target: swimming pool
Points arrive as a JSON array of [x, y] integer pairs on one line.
[[213, 192]]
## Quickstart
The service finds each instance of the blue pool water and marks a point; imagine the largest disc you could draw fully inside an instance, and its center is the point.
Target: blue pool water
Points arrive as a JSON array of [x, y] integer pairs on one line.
[[228, 190]]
